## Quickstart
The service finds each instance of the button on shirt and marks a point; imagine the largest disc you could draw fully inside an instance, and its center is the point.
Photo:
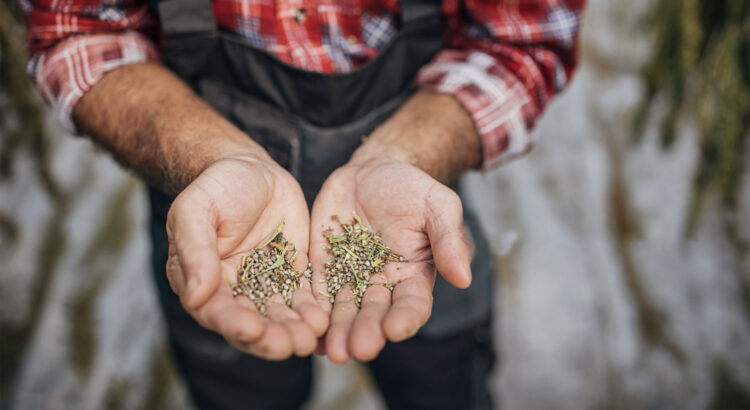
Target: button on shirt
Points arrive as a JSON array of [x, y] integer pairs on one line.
[[503, 59]]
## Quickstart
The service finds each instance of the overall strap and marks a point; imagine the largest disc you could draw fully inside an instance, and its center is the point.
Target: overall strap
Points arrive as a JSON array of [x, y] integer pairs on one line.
[[181, 18], [184, 18], [413, 10], [197, 51]]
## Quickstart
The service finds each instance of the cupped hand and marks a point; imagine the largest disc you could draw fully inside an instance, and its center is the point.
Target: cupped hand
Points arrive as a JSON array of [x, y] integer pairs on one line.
[[416, 216], [233, 206]]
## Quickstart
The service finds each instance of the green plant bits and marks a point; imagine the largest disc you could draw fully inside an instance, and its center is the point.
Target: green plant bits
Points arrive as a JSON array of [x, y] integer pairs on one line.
[[268, 270], [356, 255]]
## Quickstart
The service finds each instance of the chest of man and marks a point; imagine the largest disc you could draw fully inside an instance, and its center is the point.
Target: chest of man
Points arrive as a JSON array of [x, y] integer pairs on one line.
[[329, 36]]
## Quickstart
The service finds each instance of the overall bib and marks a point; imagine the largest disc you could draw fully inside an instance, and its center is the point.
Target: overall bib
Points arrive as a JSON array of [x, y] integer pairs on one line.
[[310, 123]]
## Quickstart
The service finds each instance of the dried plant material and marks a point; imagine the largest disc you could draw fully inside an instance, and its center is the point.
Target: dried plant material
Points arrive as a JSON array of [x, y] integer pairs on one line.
[[268, 270], [357, 254]]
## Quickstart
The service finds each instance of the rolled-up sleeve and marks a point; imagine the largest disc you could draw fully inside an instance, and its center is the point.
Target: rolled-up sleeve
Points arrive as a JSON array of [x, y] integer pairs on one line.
[[504, 61], [73, 43]]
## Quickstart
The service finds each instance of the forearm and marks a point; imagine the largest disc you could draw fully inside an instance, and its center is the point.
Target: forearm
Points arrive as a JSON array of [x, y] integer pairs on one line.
[[153, 123], [430, 131]]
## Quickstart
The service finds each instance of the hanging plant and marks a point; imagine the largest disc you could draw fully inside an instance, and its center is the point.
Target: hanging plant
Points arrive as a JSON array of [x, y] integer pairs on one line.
[[701, 67]]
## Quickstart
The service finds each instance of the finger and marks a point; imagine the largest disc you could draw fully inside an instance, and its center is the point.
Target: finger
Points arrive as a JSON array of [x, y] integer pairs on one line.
[[342, 316], [308, 308], [410, 309], [232, 320], [450, 246], [367, 337], [302, 336], [192, 233], [243, 327], [276, 343], [240, 323]]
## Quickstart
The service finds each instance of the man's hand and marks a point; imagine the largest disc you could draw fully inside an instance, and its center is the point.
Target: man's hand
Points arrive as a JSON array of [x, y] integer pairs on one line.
[[231, 208], [232, 197], [390, 182], [420, 219]]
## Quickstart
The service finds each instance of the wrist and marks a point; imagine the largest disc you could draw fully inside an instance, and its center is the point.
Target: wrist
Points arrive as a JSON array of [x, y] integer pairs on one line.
[[376, 150], [432, 132], [190, 160], [237, 146], [194, 136]]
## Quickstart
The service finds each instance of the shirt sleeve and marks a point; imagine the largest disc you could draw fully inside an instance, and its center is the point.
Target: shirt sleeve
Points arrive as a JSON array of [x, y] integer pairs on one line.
[[73, 43], [504, 61]]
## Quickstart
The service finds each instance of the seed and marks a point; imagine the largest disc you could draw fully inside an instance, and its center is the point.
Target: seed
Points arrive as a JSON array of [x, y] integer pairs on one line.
[[355, 255], [267, 271]]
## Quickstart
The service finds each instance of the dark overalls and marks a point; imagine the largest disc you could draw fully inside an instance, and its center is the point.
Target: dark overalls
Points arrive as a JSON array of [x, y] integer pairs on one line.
[[310, 123]]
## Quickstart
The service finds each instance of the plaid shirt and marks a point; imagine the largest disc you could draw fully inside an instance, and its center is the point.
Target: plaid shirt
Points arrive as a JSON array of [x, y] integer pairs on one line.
[[504, 59]]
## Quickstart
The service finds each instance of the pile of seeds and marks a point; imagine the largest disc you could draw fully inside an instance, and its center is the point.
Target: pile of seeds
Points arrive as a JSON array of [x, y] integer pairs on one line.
[[357, 254], [267, 270]]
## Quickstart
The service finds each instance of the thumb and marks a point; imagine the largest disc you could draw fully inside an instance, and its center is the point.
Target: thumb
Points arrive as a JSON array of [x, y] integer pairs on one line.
[[192, 234], [451, 250]]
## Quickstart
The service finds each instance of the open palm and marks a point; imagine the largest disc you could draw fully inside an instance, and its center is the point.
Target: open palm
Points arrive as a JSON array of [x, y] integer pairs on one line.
[[420, 219], [231, 208]]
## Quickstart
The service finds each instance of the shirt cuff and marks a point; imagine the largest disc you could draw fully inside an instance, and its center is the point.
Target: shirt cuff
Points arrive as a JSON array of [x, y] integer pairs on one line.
[[499, 103], [65, 72]]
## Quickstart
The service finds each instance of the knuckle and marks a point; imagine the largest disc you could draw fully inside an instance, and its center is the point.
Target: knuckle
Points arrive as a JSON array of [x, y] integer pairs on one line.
[[174, 274]]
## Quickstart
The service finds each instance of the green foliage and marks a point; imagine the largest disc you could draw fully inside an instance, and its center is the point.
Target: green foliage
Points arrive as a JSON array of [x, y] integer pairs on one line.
[[702, 67], [22, 129], [21, 113]]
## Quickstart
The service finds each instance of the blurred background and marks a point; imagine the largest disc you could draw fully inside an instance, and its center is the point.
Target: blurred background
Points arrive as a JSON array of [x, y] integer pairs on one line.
[[622, 241]]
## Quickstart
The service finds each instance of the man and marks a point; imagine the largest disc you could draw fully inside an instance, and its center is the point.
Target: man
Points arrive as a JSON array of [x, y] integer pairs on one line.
[[250, 111]]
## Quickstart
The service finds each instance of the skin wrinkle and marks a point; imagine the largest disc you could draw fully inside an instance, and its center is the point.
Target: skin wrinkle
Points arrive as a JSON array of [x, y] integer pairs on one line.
[[264, 213], [189, 305], [174, 261], [434, 216], [425, 250], [270, 189], [362, 211], [174, 213]]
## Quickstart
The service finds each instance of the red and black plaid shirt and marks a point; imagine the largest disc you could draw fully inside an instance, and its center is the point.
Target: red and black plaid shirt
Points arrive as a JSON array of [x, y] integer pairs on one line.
[[504, 59]]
